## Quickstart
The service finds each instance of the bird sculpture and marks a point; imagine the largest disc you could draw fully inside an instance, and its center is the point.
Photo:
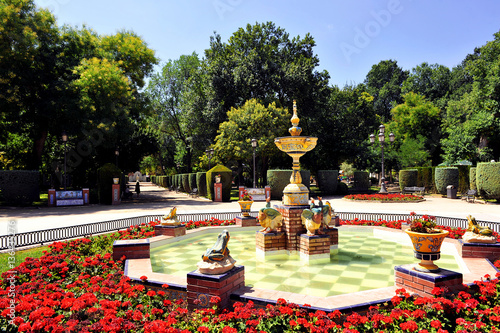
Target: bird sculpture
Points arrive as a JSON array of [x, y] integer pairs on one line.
[[269, 218], [314, 217], [327, 214]]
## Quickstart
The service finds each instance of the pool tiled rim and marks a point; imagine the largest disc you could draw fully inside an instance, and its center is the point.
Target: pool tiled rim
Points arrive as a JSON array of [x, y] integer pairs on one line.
[[474, 269]]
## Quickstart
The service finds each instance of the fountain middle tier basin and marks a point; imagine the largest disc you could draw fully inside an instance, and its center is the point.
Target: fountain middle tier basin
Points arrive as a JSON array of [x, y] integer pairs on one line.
[[296, 145], [365, 260]]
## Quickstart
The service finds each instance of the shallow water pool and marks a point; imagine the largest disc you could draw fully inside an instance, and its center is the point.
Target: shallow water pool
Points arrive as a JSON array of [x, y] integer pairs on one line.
[[364, 261]]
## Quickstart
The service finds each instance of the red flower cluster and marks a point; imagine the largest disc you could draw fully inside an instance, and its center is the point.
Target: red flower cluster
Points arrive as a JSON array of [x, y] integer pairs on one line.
[[385, 197], [213, 222]]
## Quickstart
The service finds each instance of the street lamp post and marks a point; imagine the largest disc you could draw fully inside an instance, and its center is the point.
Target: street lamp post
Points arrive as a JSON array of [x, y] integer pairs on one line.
[[65, 140], [381, 139], [117, 153], [254, 145], [209, 153]]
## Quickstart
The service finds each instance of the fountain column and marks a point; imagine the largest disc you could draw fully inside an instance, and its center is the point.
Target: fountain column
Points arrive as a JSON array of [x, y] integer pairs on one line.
[[295, 194]]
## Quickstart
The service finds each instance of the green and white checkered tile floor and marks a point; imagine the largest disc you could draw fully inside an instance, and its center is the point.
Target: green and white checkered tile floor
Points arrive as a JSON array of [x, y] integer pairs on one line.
[[362, 262]]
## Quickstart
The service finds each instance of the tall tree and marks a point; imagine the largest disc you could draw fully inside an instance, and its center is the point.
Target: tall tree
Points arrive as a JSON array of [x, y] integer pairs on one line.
[[252, 120], [475, 118], [431, 81], [28, 72], [416, 124], [67, 79], [176, 119], [344, 127], [263, 62], [384, 82]]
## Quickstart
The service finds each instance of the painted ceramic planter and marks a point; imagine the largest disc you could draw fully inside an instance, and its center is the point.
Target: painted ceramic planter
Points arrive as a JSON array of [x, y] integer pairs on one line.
[[427, 248], [245, 207]]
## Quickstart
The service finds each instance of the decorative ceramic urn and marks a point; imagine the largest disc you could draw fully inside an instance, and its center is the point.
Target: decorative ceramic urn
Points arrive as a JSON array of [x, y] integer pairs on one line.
[[427, 248], [245, 207]]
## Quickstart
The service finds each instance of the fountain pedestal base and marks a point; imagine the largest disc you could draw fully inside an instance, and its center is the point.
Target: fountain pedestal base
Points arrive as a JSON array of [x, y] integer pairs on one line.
[[422, 283], [246, 221], [202, 287]]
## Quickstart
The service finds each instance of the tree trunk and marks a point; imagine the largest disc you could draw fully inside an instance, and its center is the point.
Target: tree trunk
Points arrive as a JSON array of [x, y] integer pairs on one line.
[[38, 145]]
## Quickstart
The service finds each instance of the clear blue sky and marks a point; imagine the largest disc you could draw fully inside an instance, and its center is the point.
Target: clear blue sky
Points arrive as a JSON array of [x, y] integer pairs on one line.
[[351, 36]]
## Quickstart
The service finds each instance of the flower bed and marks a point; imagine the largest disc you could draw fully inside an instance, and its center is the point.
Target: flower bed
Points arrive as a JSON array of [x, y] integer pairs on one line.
[[75, 288], [396, 197]]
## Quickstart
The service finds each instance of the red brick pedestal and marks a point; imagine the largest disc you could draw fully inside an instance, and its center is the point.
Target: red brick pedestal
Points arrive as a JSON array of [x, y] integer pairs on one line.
[[201, 287], [246, 221], [335, 221], [479, 250], [333, 233], [270, 244], [170, 230], [314, 248], [292, 225], [131, 249], [422, 283]]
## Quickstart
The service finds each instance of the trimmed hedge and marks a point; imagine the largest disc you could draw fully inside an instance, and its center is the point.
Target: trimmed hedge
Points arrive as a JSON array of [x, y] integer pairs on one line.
[[425, 178], [20, 186], [488, 180], [192, 181], [408, 178], [201, 183], [361, 180], [279, 179], [472, 178], [444, 177], [463, 178], [185, 183], [105, 175], [226, 180], [328, 181]]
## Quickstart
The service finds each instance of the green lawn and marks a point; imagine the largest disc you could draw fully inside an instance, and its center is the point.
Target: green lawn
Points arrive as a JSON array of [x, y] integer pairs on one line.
[[20, 256]]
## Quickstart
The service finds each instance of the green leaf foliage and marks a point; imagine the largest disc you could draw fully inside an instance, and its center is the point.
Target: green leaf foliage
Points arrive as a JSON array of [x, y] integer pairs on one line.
[[226, 180], [472, 178], [408, 178], [327, 181], [279, 179], [201, 183], [106, 173], [488, 180], [444, 177]]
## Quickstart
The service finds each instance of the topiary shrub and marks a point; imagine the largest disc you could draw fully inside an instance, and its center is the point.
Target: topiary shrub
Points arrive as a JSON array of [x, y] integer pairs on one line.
[[444, 177], [185, 183], [408, 178], [177, 181], [192, 181], [105, 175], [488, 180], [226, 180], [463, 178], [201, 183], [342, 189], [361, 180], [20, 187], [425, 178], [328, 181], [279, 179], [472, 178]]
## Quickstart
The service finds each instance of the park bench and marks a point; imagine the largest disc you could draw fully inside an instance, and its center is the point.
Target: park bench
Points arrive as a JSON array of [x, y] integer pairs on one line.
[[469, 196], [413, 190], [194, 192], [68, 198]]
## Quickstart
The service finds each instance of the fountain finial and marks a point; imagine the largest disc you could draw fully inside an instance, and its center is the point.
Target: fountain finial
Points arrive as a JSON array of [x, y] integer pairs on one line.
[[295, 130]]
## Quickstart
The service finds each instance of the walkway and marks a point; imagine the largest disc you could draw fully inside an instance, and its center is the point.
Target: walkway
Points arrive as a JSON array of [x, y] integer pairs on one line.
[[157, 200]]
